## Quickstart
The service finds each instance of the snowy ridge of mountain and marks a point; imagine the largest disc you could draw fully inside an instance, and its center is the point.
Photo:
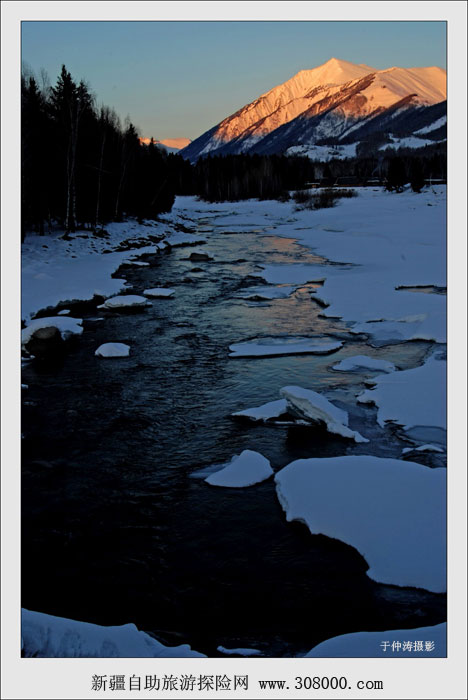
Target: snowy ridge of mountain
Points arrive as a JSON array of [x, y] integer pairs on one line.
[[325, 104]]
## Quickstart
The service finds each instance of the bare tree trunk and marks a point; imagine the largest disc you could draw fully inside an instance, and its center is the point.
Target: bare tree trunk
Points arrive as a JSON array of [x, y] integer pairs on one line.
[[119, 190], [67, 211], [101, 160]]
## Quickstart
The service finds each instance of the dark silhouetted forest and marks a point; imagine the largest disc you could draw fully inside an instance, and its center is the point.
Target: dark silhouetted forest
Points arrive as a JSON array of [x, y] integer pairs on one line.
[[81, 166]]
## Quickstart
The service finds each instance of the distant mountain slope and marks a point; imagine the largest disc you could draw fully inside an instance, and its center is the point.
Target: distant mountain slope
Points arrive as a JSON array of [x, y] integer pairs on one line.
[[328, 104], [170, 145]]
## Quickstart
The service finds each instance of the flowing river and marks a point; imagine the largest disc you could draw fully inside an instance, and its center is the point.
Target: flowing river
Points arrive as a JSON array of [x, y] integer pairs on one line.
[[118, 527]]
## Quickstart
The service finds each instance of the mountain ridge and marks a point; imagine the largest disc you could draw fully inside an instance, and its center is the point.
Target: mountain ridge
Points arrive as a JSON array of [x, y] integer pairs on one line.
[[345, 94]]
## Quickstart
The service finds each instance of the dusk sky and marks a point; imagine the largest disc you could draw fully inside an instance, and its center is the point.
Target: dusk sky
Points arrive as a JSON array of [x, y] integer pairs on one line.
[[178, 79]]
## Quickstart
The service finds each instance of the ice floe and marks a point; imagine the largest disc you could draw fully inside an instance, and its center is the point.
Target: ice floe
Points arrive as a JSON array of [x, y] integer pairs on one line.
[[414, 643], [311, 406], [364, 362], [266, 293], [245, 469], [66, 326], [422, 448], [272, 409], [124, 302], [113, 350], [181, 239], [47, 636], [159, 292], [240, 651], [411, 398], [267, 347], [392, 511]]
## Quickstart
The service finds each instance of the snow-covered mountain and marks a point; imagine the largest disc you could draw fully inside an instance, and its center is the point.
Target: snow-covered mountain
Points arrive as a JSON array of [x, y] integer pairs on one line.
[[169, 145], [325, 105]]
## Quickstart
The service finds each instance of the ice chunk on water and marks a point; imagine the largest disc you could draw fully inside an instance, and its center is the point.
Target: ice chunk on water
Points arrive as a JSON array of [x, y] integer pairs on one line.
[[272, 409], [245, 469], [364, 362], [392, 511], [122, 302], [113, 350], [240, 651], [422, 448], [311, 406], [266, 293], [159, 292], [268, 347]]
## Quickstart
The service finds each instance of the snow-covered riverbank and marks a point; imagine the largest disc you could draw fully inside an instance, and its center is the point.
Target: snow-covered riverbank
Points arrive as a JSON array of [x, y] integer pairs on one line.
[[367, 249]]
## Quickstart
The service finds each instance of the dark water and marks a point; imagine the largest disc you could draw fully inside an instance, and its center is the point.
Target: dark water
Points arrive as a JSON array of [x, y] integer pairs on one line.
[[115, 528]]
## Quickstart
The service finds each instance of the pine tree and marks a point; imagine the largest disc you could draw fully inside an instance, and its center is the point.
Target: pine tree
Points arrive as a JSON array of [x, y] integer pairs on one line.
[[416, 175], [396, 175]]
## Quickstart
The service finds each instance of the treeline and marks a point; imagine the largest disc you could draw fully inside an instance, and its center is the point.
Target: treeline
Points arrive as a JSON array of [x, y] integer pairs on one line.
[[432, 160], [81, 166], [234, 177]]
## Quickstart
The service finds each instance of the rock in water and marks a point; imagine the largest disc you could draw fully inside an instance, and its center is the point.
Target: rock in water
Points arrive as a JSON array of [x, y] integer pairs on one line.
[[311, 406], [45, 342], [199, 257]]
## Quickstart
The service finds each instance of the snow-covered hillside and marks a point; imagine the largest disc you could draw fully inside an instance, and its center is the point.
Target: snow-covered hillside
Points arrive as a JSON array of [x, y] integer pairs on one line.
[[327, 102]]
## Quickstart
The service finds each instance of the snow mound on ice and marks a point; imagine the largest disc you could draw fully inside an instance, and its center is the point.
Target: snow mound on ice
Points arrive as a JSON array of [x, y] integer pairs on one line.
[[364, 362], [311, 406], [46, 636], [123, 302], [272, 409], [66, 326], [159, 292], [392, 511], [413, 397], [113, 350], [245, 469], [267, 347], [371, 644]]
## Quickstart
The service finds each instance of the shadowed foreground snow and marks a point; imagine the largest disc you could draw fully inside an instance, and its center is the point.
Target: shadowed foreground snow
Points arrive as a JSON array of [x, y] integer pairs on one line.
[[371, 644], [391, 511], [47, 636]]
